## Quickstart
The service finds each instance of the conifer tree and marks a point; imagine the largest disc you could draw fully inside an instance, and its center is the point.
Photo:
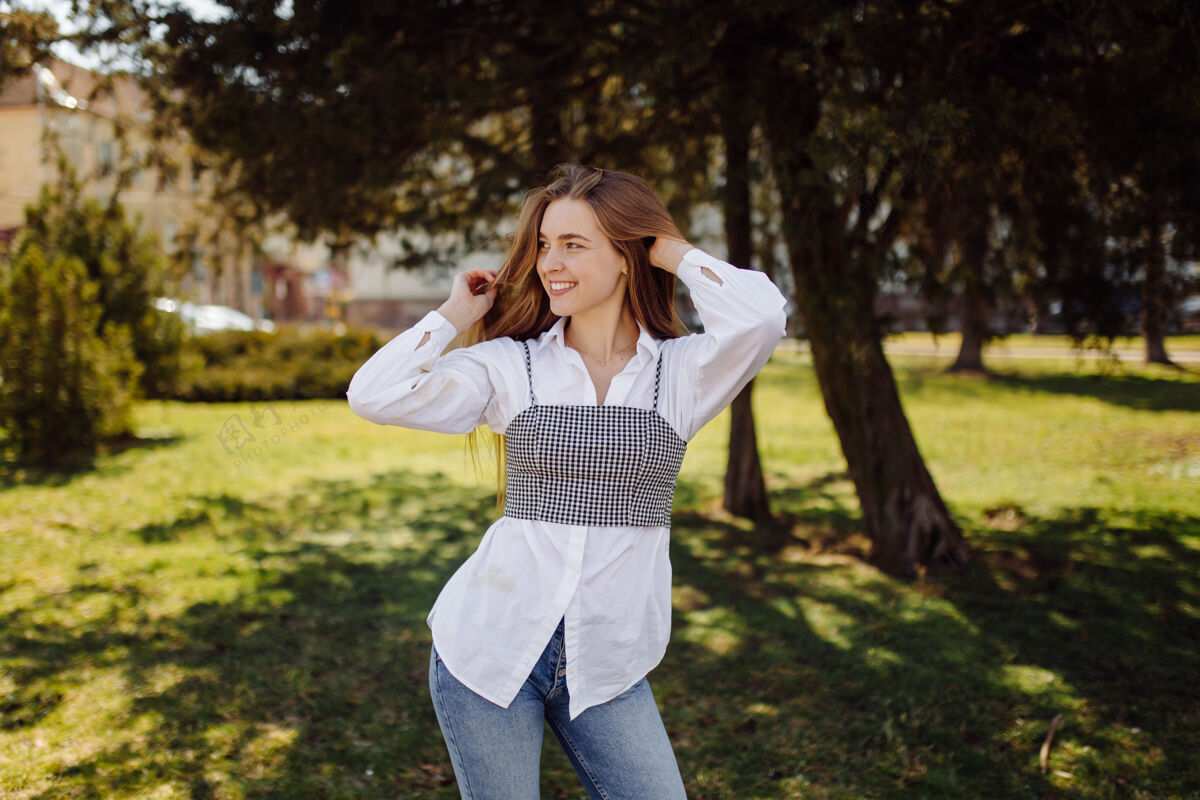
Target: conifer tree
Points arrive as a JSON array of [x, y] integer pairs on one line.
[[66, 380], [127, 267]]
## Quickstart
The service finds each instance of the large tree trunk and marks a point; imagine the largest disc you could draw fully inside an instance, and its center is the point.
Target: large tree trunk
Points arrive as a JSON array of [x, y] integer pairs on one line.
[[974, 319], [745, 489], [835, 276], [974, 334], [1154, 296]]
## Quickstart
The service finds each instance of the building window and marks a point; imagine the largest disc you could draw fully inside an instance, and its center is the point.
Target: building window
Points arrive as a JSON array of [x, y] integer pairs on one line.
[[104, 159]]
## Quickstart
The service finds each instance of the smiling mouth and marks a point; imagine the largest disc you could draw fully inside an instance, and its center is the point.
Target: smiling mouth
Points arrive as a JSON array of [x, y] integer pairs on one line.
[[558, 288]]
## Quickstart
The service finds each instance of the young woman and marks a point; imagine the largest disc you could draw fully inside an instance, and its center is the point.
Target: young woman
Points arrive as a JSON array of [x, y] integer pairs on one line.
[[580, 362]]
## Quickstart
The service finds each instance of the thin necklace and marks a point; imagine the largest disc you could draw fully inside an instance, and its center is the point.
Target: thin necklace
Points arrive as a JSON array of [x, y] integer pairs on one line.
[[595, 360]]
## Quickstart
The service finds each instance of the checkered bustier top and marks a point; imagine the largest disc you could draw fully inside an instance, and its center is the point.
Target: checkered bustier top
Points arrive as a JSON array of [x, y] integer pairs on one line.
[[591, 465]]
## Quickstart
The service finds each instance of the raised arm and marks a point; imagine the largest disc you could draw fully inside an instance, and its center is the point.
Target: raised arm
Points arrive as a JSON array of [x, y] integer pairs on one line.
[[406, 383], [743, 316]]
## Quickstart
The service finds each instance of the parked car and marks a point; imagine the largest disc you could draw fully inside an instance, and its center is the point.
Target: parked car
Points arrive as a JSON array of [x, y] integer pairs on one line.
[[1189, 314], [208, 318]]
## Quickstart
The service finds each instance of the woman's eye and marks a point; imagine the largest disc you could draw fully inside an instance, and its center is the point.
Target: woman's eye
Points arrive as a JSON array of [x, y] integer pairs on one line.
[[543, 245]]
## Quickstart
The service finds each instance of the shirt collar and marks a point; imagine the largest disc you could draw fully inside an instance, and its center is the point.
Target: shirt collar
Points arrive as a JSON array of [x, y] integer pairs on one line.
[[555, 337]]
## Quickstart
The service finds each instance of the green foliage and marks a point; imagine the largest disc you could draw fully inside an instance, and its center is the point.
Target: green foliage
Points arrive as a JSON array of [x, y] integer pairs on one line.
[[291, 363], [66, 378], [417, 115], [25, 38], [127, 268], [81, 337]]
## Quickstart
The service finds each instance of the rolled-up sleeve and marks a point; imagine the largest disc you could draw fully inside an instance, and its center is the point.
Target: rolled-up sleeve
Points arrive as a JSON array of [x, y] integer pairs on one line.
[[409, 383], [744, 318]]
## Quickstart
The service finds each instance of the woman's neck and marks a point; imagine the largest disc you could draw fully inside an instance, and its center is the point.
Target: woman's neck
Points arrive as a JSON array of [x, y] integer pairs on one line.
[[601, 334]]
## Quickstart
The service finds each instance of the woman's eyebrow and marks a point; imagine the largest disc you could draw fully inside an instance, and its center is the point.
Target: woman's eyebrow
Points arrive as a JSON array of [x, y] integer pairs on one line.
[[562, 237]]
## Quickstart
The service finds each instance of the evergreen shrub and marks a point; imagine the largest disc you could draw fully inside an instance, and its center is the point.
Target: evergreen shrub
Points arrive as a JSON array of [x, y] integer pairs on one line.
[[127, 267], [66, 380]]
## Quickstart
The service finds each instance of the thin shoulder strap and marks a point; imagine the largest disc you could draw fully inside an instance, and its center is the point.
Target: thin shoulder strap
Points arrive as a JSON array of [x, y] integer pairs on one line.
[[657, 378], [529, 372]]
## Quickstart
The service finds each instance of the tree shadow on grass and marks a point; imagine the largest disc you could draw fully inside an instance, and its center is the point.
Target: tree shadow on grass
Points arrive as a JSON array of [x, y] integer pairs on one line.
[[1108, 600], [202, 511], [17, 473], [794, 671], [798, 672], [309, 681], [798, 678], [817, 513], [1131, 391]]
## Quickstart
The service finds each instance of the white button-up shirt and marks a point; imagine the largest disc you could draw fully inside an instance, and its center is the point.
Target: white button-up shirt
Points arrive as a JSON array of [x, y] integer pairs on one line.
[[611, 586]]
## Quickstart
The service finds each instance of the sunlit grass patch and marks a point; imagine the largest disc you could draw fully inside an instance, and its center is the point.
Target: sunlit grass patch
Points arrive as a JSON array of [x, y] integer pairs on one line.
[[716, 629]]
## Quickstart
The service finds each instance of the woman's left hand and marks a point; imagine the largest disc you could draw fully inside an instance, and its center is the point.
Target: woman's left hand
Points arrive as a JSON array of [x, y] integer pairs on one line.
[[666, 253]]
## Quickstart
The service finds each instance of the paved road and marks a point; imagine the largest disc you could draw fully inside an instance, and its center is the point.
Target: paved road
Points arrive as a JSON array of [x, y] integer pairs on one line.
[[1128, 355]]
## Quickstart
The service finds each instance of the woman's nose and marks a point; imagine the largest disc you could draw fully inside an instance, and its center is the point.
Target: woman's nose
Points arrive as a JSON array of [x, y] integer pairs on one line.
[[551, 260]]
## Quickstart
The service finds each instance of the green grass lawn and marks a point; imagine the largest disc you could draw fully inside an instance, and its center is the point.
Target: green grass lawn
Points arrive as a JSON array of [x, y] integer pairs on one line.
[[191, 619], [949, 342]]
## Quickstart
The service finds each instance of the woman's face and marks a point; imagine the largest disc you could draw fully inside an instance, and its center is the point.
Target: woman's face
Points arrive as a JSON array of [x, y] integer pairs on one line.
[[579, 267]]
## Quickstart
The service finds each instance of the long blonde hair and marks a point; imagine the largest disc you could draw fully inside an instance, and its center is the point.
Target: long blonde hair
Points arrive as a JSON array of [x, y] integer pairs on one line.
[[629, 214]]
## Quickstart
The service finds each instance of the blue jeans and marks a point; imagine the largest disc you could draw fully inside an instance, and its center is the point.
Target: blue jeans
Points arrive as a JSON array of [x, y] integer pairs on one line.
[[619, 749]]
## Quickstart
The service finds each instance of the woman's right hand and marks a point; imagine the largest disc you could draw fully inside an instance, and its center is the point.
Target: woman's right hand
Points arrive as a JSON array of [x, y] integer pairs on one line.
[[666, 253], [472, 294]]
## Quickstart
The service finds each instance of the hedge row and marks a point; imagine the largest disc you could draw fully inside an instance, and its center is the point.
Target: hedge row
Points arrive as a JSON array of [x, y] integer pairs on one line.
[[231, 366]]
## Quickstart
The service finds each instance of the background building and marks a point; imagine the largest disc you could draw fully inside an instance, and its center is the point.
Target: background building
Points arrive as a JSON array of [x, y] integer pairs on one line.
[[99, 126], [62, 108]]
